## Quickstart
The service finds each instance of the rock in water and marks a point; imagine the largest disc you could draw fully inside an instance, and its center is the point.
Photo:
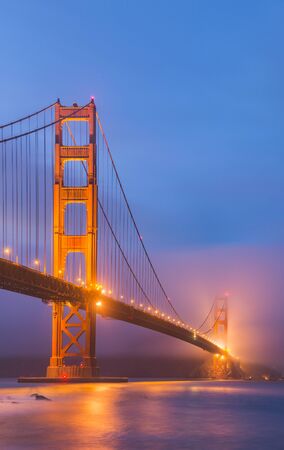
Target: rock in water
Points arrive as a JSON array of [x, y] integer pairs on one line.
[[40, 397]]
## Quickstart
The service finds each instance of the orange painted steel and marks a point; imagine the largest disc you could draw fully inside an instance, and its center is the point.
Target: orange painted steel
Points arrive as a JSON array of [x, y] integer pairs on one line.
[[221, 321], [73, 331]]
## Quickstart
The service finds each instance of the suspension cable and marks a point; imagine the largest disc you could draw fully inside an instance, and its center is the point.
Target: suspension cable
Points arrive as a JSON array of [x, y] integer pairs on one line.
[[210, 329], [204, 321], [26, 117], [35, 130], [123, 254], [133, 220]]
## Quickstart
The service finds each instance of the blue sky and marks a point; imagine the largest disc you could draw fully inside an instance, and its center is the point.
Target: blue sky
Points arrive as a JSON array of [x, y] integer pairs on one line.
[[191, 97]]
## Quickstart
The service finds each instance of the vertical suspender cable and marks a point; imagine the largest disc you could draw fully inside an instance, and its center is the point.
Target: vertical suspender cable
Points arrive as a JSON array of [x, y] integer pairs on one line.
[[44, 198]]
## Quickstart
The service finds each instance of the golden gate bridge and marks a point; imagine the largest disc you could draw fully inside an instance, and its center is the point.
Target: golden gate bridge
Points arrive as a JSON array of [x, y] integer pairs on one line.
[[68, 237]]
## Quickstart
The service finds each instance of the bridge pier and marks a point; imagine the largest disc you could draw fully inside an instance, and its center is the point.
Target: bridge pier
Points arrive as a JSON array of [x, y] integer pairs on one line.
[[221, 367], [83, 343], [73, 339], [224, 367], [85, 370]]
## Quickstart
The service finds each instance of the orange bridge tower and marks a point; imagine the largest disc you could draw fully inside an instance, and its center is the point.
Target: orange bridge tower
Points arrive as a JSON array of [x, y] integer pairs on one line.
[[222, 365], [221, 321], [73, 330]]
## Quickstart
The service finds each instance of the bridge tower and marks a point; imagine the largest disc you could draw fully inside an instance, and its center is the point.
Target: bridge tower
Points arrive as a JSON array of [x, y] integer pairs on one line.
[[73, 330], [221, 367], [221, 321]]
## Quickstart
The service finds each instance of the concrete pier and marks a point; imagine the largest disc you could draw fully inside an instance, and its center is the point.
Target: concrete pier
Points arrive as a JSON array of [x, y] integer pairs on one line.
[[63, 380]]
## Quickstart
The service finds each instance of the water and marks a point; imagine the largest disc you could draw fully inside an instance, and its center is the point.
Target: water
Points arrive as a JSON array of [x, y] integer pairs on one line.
[[156, 415]]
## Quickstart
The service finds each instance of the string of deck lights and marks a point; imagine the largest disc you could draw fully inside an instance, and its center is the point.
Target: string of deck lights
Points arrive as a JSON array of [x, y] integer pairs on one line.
[[103, 291], [149, 310], [146, 309]]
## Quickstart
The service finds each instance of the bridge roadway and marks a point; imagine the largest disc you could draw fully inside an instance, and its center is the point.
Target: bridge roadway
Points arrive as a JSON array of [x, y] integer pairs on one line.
[[21, 279]]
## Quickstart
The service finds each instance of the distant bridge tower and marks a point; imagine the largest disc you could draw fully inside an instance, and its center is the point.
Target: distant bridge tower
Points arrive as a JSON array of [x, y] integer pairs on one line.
[[73, 331], [222, 366], [221, 321]]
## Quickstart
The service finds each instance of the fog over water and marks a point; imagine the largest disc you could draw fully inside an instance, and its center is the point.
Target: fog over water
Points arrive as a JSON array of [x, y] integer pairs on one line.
[[252, 275]]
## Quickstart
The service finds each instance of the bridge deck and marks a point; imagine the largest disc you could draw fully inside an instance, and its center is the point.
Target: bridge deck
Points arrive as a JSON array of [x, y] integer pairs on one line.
[[21, 279]]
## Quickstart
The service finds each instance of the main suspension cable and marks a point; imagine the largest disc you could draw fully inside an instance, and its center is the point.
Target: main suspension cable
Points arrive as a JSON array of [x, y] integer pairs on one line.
[[208, 315], [219, 315], [27, 117], [133, 220], [35, 130]]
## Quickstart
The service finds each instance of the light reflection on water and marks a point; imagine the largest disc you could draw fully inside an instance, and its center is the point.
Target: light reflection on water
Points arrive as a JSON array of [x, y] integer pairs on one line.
[[144, 415]]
